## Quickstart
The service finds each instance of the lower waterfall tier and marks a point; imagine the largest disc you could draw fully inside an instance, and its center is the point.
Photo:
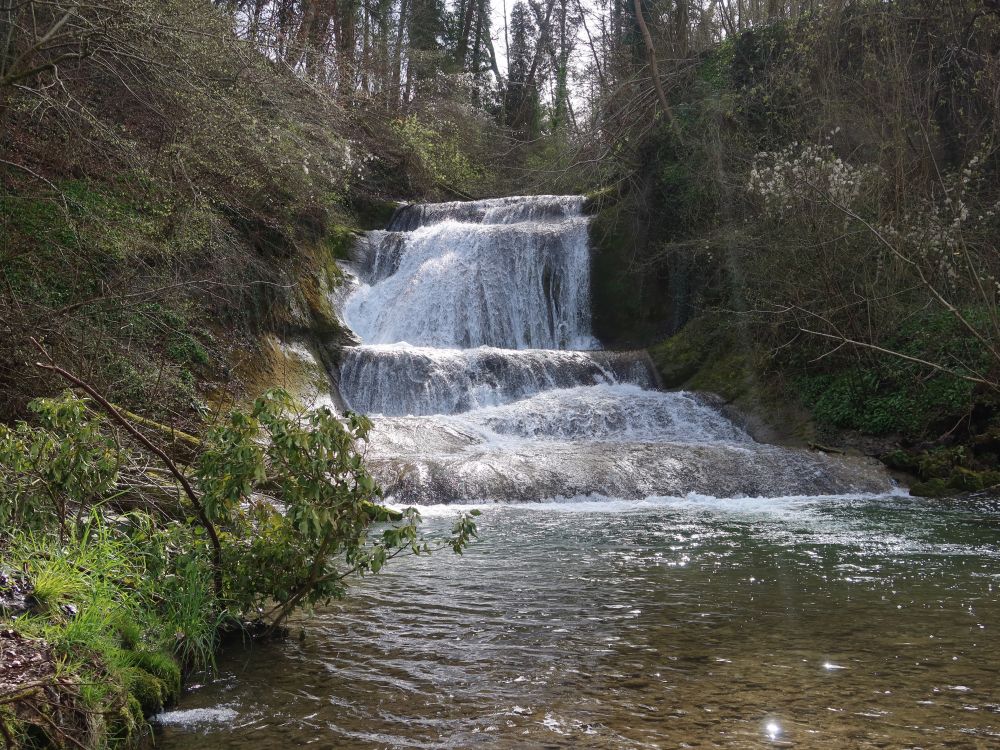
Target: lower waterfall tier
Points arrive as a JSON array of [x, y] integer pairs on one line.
[[612, 440]]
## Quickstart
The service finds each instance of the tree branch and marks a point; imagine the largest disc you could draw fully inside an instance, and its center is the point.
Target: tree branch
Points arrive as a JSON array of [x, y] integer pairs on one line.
[[158, 452]]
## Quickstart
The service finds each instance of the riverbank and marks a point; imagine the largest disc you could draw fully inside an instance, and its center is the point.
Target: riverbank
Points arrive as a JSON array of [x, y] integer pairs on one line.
[[93, 639], [120, 571], [941, 435]]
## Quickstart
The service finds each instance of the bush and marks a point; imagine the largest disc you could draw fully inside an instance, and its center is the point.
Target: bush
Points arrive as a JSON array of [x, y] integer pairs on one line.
[[281, 513]]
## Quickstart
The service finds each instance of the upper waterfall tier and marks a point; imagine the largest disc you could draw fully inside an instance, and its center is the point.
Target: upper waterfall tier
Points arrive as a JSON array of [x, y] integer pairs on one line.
[[511, 273], [534, 208]]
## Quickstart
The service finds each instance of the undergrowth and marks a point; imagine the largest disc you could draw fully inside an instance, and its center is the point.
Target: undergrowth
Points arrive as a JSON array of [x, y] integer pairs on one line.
[[274, 510], [117, 649]]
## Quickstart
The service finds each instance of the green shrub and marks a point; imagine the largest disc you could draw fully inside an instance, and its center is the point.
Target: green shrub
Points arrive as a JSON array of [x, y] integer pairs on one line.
[[890, 395], [128, 599]]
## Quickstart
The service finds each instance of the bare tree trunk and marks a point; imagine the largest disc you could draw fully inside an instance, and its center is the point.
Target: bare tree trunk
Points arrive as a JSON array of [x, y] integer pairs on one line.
[[681, 24], [477, 46], [465, 29], [397, 66], [654, 69]]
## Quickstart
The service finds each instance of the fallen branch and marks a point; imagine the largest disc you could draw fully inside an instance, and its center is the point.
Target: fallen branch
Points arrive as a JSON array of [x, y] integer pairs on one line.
[[166, 429], [826, 449], [907, 357]]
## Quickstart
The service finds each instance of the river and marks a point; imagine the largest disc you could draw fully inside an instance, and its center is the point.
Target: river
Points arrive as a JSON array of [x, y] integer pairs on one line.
[[648, 574]]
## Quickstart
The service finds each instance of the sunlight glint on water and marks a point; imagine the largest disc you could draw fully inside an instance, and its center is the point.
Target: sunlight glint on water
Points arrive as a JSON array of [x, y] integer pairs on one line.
[[609, 624]]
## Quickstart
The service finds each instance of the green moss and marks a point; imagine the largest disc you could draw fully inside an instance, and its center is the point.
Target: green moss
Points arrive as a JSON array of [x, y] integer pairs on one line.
[[163, 666], [129, 633], [596, 200], [148, 691], [960, 480], [967, 480], [339, 241], [932, 488], [706, 355], [185, 349], [9, 725], [901, 460], [679, 357], [940, 463], [371, 213]]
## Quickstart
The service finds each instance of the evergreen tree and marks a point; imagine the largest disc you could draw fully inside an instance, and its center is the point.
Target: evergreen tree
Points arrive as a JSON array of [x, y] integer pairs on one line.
[[521, 100], [427, 33]]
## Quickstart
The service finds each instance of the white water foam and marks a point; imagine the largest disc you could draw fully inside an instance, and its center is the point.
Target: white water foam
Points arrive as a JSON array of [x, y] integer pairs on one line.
[[459, 285], [786, 505], [197, 716], [472, 315]]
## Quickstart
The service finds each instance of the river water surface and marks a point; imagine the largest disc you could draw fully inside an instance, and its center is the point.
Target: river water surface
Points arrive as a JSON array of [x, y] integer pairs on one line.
[[817, 607], [826, 622]]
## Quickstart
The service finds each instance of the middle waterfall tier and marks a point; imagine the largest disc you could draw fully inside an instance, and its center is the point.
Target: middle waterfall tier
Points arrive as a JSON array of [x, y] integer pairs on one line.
[[405, 380]]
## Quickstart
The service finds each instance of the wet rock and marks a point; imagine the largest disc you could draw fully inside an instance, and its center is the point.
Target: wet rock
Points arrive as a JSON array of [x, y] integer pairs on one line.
[[15, 594]]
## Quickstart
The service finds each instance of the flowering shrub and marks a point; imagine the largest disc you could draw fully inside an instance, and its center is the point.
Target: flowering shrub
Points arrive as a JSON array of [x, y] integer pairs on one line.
[[948, 234], [804, 173]]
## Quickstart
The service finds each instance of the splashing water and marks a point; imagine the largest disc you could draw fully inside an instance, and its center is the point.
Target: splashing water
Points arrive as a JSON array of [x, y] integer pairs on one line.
[[479, 360]]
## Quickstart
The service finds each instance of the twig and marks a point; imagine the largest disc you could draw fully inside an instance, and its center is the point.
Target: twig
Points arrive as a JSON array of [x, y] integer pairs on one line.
[[907, 357]]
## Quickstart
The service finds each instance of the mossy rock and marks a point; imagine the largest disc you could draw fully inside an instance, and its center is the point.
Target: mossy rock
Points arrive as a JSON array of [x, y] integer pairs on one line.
[[902, 460], [165, 668], [731, 376], [959, 481], [339, 241], [149, 691], [940, 463], [679, 357], [372, 213], [932, 488], [967, 480]]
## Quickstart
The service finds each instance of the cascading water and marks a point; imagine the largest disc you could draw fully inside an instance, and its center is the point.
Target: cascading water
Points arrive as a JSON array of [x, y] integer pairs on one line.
[[478, 357]]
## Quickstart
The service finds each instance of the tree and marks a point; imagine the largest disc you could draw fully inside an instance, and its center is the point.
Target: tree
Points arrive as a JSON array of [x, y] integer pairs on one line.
[[521, 104], [282, 493]]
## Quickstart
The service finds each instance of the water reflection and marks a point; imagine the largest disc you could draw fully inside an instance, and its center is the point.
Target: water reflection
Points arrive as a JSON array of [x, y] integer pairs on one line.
[[851, 623]]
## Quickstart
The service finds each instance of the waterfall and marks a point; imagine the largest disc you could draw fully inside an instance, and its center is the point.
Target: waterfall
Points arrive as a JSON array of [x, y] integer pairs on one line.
[[478, 363], [488, 273], [398, 379]]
